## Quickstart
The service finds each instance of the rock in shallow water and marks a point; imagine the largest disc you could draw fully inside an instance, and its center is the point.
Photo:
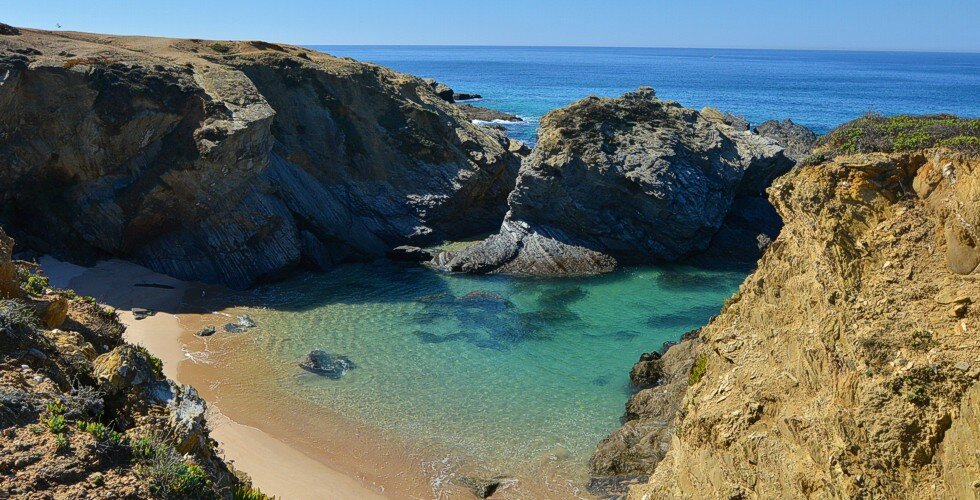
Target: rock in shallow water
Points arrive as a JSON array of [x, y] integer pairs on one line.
[[326, 364], [407, 253]]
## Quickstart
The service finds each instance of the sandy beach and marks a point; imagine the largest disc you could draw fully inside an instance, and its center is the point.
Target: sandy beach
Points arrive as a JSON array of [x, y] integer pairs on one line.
[[277, 467]]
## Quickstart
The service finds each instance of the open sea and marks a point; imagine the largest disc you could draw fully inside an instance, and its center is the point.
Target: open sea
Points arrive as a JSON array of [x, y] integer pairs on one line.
[[513, 376], [819, 89]]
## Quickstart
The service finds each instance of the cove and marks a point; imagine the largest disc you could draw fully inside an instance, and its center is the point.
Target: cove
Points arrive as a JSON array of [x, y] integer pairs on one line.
[[499, 374]]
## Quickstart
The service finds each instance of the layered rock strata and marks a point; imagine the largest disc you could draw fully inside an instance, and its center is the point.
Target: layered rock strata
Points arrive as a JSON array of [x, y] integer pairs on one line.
[[231, 161]]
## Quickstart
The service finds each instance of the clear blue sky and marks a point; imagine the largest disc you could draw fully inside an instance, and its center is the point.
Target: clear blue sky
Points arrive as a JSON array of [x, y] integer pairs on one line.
[[939, 25]]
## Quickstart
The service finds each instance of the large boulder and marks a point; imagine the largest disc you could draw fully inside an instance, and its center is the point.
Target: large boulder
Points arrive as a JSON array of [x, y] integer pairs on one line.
[[235, 165], [797, 139], [126, 368], [628, 180]]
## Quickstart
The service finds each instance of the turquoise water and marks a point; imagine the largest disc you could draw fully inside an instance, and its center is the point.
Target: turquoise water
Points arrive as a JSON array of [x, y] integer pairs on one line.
[[820, 89], [499, 371]]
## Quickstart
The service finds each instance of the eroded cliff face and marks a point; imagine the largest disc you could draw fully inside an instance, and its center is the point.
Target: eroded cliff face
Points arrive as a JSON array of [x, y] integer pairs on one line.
[[847, 365], [634, 179], [230, 161]]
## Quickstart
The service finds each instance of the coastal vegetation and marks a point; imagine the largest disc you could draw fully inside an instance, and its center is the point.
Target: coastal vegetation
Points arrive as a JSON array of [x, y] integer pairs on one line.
[[900, 133]]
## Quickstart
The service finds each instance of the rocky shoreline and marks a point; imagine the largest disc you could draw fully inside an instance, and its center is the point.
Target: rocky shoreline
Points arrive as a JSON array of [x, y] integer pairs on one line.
[[846, 365]]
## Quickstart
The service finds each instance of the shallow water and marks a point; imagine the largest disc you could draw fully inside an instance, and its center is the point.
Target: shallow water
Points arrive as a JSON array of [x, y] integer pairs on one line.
[[500, 373]]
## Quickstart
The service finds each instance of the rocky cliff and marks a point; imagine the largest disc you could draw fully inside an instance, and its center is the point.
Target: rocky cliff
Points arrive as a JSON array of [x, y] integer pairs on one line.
[[230, 161], [80, 410], [847, 365], [629, 180]]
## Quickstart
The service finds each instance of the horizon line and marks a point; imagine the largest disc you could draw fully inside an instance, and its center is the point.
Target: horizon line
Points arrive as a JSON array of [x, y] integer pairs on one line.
[[543, 46]]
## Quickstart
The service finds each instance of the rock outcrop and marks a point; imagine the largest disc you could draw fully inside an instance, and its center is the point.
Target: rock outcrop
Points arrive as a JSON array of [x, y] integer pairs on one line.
[[231, 161], [847, 365], [627, 180], [796, 139], [82, 413]]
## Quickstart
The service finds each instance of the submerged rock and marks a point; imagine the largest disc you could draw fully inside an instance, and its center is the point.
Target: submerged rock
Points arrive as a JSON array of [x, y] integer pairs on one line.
[[234, 328], [207, 331], [486, 487], [329, 365], [245, 321], [627, 180]]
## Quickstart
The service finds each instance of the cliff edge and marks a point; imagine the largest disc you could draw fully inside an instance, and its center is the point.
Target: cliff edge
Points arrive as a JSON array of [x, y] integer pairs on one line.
[[847, 365], [229, 162]]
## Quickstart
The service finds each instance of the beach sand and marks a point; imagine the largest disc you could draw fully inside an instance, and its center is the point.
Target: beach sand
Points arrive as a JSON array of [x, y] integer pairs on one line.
[[354, 465]]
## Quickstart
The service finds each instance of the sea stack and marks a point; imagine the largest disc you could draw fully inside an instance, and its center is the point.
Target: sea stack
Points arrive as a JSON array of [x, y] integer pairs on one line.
[[633, 179]]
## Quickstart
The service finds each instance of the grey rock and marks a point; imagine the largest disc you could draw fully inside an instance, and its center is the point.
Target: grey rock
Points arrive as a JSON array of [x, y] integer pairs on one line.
[[326, 364], [627, 180], [482, 114], [140, 313], [441, 89], [207, 331], [463, 96], [797, 139], [234, 328], [737, 122], [407, 253], [245, 321]]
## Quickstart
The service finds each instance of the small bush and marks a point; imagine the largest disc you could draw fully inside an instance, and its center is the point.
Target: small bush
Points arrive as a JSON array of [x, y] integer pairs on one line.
[[920, 339], [56, 424], [246, 492], [698, 370], [36, 284], [62, 442], [165, 471], [106, 437], [18, 318], [220, 48], [917, 395]]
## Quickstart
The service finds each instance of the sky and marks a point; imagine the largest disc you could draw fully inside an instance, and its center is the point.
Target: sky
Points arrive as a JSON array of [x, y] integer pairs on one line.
[[918, 25]]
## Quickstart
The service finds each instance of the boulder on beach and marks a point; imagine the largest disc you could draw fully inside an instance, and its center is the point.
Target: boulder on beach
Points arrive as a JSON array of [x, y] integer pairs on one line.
[[326, 364], [207, 331]]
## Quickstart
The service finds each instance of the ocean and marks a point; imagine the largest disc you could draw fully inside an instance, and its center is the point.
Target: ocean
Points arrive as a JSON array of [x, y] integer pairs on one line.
[[819, 89]]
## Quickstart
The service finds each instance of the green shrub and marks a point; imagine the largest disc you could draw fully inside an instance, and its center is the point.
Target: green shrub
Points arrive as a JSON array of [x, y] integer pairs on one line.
[[220, 48], [62, 442], [698, 370], [35, 284], [56, 424], [917, 395], [920, 339], [102, 433], [166, 473], [246, 492]]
